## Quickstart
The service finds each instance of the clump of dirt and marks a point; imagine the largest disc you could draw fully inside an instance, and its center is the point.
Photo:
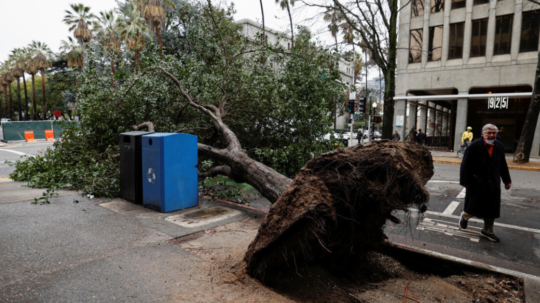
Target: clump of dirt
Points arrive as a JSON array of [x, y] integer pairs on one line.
[[336, 207]]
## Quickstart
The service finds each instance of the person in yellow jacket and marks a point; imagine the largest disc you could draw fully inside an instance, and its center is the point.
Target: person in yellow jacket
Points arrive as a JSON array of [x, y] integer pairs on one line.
[[467, 135]]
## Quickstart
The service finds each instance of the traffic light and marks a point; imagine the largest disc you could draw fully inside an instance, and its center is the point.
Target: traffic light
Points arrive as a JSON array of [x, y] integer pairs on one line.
[[376, 119], [351, 106], [362, 105]]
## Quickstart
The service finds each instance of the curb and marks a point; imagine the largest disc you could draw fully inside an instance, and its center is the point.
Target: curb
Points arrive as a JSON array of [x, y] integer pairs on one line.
[[509, 166], [531, 283]]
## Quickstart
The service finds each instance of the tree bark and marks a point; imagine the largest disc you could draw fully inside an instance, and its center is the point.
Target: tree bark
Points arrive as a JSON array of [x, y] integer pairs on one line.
[[35, 115], [44, 94], [290, 20], [158, 33], [390, 77], [19, 94], [262, 13], [523, 150], [148, 125], [10, 104], [25, 98], [136, 61]]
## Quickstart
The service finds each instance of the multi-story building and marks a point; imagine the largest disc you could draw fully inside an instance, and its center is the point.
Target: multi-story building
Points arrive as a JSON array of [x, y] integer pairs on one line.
[[467, 63], [250, 30]]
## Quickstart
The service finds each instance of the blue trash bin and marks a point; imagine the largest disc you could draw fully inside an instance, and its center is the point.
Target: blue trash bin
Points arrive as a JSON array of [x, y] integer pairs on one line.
[[169, 168]]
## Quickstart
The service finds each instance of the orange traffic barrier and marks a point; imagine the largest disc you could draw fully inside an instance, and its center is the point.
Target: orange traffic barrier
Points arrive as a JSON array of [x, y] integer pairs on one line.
[[49, 135], [29, 136]]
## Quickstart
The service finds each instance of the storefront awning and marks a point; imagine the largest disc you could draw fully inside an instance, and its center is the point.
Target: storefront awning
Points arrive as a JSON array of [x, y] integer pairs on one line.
[[462, 96]]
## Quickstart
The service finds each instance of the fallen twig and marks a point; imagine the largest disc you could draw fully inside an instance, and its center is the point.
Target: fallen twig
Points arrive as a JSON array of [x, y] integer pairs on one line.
[[406, 289]]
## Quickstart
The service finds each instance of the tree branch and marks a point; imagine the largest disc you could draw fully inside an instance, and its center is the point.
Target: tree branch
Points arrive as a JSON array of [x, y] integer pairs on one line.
[[148, 125]]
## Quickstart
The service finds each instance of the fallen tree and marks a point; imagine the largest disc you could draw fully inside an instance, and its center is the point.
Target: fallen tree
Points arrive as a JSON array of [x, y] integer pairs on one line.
[[336, 207]]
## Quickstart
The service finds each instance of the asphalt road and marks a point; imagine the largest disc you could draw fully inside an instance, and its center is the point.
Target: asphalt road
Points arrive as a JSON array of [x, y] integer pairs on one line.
[[438, 229], [15, 151]]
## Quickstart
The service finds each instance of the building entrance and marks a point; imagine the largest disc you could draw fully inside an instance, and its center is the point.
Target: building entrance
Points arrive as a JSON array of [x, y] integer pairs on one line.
[[508, 119]]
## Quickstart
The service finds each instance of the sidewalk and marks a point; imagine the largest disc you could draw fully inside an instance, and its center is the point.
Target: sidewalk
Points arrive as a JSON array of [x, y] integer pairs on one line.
[[451, 158]]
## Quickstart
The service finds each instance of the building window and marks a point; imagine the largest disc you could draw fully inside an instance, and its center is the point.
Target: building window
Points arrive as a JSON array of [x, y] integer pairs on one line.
[[530, 28], [458, 3], [478, 2], [417, 8], [455, 50], [435, 43], [437, 6], [478, 38], [415, 46], [503, 34]]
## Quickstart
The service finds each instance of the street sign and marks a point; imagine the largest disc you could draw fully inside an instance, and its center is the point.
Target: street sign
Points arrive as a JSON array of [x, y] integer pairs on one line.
[[352, 96], [357, 115], [57, 113], [498, 103]]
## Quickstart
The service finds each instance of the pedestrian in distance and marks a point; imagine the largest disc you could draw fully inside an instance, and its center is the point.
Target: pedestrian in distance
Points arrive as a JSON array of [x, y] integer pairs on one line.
[[396, 137], [420, 137], [466, 135], [359, 135], [482, 168]]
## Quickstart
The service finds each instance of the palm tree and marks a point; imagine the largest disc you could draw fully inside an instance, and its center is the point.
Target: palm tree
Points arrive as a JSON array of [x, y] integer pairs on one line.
[[18, 57], [73, 53], [286, 4], [30, 68], [133, 30], [106, 27], [41, 61], [154, 14], [2, 91], [8, 78], [78, 21]]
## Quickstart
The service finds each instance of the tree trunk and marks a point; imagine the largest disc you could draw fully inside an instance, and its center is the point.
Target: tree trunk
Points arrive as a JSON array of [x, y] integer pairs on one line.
[[19, 95], [136, 61], [44, 94], [2, 114], [266, 180], [390, 77], [523, 150], [290, 20], [25, 99], [35, 115], [113, 70], [10, 104], [262, 13], [158, 33]]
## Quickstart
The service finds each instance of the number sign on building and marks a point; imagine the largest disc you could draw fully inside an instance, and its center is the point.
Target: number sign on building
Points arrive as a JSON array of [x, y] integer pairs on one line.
[[498, 103]]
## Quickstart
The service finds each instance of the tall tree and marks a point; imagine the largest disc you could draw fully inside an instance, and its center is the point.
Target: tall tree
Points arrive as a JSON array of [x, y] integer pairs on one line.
[[262, 14], [155, 15], [523, 150], [133, 29], [286, 5], [42, 62], [78, 19], [2, 91], [8, 78], [18, 56], [373, 25], [17, 73], [31, 69], [107, 29]]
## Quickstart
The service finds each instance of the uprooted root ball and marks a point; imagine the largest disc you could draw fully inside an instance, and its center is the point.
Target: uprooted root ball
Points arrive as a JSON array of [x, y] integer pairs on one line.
[[337, 206]]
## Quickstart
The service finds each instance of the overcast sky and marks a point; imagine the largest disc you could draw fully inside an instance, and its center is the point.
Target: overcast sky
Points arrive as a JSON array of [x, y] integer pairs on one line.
[[25, 20]]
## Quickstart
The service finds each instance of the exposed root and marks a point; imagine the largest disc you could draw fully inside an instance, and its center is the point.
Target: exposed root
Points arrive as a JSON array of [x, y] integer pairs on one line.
[[336, 207]]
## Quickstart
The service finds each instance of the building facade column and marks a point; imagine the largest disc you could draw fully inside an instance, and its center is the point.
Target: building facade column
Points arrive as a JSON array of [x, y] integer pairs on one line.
[[425, 33], [461, 121], [423, 117], [468, 33], [490, 41], [446, 32], [516, 30], [432, 119], [411, 117], [400, 112]]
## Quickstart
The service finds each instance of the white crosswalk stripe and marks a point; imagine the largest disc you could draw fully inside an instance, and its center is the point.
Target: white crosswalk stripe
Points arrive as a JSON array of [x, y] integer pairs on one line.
[[449, 230]]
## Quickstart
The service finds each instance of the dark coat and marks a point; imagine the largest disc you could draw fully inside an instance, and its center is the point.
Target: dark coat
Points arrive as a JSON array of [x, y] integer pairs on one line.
[[482, 176], [420, 138]]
